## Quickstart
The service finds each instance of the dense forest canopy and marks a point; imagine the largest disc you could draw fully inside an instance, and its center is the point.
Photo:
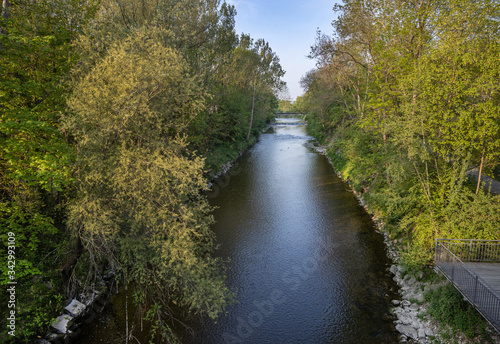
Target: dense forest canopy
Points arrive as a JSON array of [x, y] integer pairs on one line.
[[406, 95], [113, 116]]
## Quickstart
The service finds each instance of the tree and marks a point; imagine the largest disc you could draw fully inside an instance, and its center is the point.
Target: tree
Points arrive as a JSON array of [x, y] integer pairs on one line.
[[139, 206], [407, 94], [464, 110], [265, 69], [35, 157]]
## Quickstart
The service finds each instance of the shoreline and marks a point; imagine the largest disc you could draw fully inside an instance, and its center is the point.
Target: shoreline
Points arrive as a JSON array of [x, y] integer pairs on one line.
[[413, 322]]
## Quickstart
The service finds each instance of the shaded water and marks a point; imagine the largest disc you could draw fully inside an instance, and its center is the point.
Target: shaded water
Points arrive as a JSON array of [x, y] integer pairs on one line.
[[306, 262]]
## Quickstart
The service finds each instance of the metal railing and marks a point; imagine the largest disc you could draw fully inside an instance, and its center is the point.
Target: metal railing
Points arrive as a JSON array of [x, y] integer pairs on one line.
[[450, 257]]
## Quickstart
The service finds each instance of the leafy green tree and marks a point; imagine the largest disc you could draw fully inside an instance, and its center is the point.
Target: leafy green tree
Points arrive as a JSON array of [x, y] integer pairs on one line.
[[406, 94], [265, 69], [464, 110], [35, 157], [139, 206]]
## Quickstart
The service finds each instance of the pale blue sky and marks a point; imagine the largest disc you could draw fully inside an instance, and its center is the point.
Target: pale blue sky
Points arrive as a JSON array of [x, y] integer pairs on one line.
[[289, 27]]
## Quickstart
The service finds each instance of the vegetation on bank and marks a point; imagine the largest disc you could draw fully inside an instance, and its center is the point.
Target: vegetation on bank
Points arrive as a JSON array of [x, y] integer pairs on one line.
[[406, 96], [112, 114], [448, 306]]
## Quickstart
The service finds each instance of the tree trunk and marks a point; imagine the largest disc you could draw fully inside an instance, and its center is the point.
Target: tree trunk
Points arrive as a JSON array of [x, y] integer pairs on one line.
[[5, 9], [126, 312], [253, 106], [481, 168], [5, 15]]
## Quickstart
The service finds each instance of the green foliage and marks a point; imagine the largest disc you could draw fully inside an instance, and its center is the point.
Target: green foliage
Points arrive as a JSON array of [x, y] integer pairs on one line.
[[139, 205], [447, 305], [287, 106], [35, 158], [407, 95], [152, 87]]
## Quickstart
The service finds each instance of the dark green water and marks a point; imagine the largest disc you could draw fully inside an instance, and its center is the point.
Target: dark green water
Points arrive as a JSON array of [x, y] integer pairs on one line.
[[306, 262]]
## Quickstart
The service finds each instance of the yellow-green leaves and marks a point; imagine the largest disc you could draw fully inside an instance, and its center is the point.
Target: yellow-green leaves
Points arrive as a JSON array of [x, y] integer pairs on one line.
[[408, 94], [139, 205]]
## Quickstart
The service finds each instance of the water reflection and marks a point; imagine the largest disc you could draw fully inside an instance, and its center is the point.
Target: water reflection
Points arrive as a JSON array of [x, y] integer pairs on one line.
[[305, 260]]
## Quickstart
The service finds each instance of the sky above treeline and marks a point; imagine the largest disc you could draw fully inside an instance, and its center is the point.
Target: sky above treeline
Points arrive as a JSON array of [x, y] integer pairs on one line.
[[290, 28]]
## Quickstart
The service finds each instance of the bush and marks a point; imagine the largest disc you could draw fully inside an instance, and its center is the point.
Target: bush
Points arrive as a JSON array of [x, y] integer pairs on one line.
[[447, 305]]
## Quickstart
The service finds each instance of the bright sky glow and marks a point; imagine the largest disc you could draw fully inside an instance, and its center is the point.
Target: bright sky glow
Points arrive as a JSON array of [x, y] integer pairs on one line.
[[290, 28]]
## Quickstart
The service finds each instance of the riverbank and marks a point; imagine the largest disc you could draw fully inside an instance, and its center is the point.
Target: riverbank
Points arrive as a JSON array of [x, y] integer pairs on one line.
[[214, 185], [302, 275], [414, 323]]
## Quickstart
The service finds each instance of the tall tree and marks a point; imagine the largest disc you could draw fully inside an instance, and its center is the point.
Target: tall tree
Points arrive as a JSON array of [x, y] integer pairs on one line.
[[35, 157], [139, 206], [266, 69]]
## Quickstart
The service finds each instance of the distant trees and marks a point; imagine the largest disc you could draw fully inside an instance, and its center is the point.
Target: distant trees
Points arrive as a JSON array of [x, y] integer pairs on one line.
[[407, 94], [111, 114], [266, 70]]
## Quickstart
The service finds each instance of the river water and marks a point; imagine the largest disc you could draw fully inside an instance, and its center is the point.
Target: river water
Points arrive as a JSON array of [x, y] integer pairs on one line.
[[305, 260]]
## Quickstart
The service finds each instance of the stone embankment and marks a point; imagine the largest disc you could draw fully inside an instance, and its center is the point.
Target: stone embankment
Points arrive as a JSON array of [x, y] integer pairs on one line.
[[412, 322], [81, 309]]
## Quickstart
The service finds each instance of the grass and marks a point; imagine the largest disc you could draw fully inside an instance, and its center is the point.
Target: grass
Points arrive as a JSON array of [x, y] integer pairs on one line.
[[447, 306]]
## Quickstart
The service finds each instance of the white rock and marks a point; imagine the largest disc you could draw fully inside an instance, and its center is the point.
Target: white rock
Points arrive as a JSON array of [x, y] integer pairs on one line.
[[419, 297], [75, 308], [407, 331], [414, 307], [411, 281], [63, 323], [393, 269], [415, 324]]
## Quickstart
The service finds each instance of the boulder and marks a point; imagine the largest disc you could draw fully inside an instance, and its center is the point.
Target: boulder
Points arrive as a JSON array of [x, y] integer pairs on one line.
[[63, 323], [414, 307], [407, 331], [393, 269], [411, 281], [75, 308]]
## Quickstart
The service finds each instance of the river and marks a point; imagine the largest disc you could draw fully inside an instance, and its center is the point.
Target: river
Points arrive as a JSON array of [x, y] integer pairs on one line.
[[305, 260]]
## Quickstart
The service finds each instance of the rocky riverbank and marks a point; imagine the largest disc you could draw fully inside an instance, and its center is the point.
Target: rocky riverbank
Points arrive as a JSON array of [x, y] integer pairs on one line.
[[412, 319], [82, 309]]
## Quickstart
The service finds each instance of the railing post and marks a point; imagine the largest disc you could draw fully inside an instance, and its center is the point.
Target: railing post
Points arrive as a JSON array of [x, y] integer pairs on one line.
[[452, 252], [475, 291]]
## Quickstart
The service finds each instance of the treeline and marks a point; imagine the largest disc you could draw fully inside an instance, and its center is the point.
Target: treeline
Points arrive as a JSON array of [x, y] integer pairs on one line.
[[287, 106], [113, 116], [406, 95]]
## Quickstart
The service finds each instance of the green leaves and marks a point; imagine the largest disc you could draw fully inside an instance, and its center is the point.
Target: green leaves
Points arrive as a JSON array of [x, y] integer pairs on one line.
[[139, 205], [101, 106], [407, 93]]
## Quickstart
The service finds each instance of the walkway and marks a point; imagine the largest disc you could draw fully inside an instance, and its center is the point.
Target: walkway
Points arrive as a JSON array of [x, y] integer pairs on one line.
[[473, 267]]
